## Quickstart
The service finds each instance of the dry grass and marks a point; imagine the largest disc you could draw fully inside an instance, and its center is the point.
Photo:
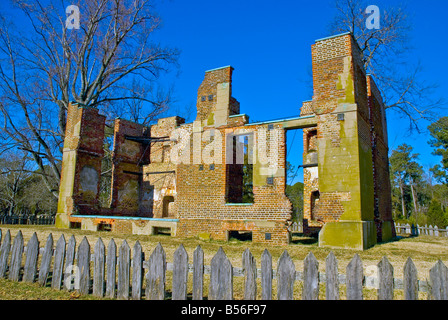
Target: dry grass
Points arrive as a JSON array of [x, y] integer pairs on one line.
[[424, 251], [12, 290]]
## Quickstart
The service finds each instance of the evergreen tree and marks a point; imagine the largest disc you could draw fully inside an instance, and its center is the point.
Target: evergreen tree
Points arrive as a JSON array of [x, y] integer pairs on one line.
[[406, 172], [436, 216], [439, 135]]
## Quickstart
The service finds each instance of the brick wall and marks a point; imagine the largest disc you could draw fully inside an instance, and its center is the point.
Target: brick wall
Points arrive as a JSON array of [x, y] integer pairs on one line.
[[208, 94], [159, 175], [381, 175], [342, 88], [202, 190], [83, 151], [202, 202], [191, 179], [128, 157]]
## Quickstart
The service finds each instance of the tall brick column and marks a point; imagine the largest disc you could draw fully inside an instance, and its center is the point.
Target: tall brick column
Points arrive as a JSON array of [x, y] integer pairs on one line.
[[381, 175], [81, 163], [345, 171]]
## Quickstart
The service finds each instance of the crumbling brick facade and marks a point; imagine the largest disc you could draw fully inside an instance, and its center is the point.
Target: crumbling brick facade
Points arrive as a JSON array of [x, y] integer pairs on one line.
[[203, 186], [82, 154], [221, 175], [351, 182], [381, 175]]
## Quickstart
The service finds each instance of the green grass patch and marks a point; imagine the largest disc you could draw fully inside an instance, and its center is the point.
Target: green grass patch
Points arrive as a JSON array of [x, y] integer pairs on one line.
[[12, 290]]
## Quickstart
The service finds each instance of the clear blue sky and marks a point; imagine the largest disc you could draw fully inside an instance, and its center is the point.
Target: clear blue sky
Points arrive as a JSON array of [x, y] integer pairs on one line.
[[269, 45]]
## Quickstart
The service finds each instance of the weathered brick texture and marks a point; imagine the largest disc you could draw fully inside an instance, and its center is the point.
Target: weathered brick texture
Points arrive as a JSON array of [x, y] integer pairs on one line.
[[351, 140], [82, 154], [191, 175]]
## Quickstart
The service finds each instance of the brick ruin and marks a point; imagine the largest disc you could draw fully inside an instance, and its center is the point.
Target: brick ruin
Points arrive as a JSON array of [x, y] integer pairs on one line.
[[221, 174]]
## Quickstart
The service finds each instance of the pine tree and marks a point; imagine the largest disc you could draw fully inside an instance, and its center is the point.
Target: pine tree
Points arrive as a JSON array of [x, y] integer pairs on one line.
[[439, 135], [405, 171], [436, 216]]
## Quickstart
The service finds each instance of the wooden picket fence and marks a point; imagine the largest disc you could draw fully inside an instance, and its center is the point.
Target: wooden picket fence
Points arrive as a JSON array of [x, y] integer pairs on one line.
[[130, 276], [297, 227], [416, 230]]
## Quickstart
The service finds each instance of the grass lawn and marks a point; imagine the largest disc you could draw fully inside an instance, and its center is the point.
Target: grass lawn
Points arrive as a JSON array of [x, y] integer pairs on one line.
[[12, 290], [424, 251]]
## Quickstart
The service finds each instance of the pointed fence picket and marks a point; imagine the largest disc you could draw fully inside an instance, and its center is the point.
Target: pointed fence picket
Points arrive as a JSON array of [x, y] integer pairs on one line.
[[266, 275], [410, 279], [137, 271], [354, 272], [32, 252], [84, 266], [221, 277], [198, 273], [155, 277], [98, 269], [386, 280], [111, 266], [286, 275], [16, 257], [180, 274], [69, 262], [438, 277], [44, 269], [331, 277], [58, 264], [250, 275], [4, 254], [124, 271], [111, 274], [310, 278]]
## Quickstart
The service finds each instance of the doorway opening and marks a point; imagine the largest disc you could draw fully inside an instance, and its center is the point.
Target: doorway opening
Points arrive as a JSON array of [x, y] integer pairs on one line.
[[168, 202], [239, 169], [294, 172]]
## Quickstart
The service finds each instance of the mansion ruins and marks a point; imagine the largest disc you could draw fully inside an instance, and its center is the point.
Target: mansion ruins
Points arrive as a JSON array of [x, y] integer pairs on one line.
[[221, 174]]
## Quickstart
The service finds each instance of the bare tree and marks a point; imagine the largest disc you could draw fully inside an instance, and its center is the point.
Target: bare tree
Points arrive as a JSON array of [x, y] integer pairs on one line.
[[110, 59], [386, 51], [13, 173], [137, 108]]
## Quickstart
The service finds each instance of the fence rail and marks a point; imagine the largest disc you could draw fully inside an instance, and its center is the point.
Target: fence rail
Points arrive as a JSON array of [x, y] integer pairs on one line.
[[18, 219], [297, 227], [131, 276], [417, 230]]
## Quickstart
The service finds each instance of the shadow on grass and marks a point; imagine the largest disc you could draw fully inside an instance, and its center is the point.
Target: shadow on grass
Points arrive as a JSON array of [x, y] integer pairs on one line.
[[396, 238]]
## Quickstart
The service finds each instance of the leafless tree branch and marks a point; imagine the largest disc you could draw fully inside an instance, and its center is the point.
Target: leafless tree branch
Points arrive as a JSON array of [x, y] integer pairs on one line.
[[386, 53], [98, 65]]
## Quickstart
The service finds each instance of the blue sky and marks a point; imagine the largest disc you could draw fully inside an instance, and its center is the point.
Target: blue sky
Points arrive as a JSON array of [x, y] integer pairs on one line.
[[269, 45]]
